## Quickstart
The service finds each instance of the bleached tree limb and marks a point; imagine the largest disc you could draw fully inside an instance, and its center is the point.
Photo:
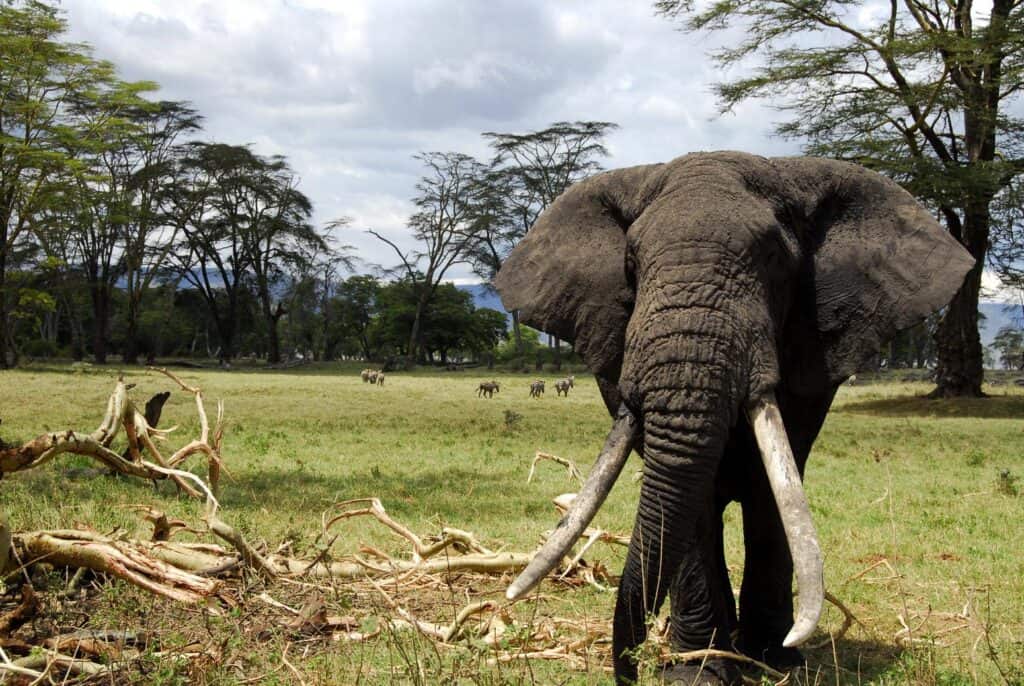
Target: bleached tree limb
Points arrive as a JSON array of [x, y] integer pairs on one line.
[[570, 466]]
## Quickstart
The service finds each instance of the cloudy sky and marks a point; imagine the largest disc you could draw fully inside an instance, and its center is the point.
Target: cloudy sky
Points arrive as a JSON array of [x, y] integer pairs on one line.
[[350, 90]]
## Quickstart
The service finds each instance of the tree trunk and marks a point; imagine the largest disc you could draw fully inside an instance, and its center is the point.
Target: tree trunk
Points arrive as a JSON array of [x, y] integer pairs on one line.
[[273, 342], [130, 354], [3, 317], [3, 306], [517, 333], [958, 345], [414, 335], [557, 353], [101, 323]]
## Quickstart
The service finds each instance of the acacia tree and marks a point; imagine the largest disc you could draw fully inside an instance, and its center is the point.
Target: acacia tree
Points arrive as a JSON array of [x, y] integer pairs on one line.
[[917, 91], [40, 77], [107, 199], [1009, 342], [1007, 252], [212, 256], [148, 235], [528, 171], [278, 237], [446, 225]]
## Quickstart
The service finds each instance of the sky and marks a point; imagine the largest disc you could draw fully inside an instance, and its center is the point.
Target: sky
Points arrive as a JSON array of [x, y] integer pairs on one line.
[[350, 90]]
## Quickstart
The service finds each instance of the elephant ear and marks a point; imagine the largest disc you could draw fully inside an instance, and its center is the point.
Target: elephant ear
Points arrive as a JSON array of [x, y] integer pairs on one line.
[[875, 263], [568, 276]]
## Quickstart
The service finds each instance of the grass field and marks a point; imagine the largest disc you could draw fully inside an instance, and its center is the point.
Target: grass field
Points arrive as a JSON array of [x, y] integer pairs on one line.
[[917, 503]]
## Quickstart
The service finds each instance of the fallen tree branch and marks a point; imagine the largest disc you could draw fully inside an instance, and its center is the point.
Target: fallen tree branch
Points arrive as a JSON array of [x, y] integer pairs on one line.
[[570, 466], [141, 434], [24, 612]]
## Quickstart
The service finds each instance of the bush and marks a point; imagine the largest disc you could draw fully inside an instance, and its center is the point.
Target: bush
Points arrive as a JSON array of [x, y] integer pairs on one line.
[[40, 348]]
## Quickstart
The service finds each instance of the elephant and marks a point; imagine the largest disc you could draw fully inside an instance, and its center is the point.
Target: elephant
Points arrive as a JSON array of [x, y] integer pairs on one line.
[[720, 299]]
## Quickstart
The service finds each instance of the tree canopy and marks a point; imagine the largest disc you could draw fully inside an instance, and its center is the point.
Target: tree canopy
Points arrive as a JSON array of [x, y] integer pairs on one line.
[[917, 90]]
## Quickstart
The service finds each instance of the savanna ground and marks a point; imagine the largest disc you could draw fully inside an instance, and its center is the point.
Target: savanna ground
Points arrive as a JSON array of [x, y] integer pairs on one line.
[[917, 503]]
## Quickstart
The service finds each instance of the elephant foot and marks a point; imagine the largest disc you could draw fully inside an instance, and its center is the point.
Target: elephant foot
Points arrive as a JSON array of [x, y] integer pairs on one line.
[[772, 654], [708, 673]]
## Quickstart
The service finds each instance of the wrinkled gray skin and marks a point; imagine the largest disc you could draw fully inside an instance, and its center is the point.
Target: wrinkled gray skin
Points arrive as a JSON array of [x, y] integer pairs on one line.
[[693, 289]]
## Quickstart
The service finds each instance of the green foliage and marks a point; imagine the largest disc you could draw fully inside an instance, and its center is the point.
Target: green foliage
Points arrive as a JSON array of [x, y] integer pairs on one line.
[[1009, 342], [920, 91], [50, 88], [451, 325]]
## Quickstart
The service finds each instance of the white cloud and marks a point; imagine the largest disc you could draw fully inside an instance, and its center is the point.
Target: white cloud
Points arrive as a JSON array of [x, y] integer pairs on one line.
[[993, 290]]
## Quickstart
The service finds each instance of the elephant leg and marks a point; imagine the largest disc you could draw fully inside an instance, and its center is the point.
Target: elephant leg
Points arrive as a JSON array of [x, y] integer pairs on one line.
[[703, 581], [766, 599]]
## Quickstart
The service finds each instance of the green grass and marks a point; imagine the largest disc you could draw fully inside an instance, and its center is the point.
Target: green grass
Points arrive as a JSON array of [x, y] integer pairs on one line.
[[914, 499]]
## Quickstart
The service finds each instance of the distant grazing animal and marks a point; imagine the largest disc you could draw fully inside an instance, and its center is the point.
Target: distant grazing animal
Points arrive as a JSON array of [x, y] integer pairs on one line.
[[488, 388], [852, 381], [380, 378], [365, 375], [562, 386], [537, 388], [372, 376]]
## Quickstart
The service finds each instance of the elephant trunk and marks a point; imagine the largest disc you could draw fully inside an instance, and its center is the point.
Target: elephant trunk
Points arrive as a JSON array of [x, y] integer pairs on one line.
[[784, 478], [672, 547]]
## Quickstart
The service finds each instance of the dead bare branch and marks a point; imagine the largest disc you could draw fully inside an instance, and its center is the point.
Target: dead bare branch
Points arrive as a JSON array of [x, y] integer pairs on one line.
[[570, 466]]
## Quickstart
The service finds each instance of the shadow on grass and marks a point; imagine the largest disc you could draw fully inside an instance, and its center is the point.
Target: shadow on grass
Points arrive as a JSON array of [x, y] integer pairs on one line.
[[992, 407], [855, 660]]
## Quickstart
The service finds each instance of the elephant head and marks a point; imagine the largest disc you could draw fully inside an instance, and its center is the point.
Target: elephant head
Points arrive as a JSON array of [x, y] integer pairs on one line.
[[720, 299]]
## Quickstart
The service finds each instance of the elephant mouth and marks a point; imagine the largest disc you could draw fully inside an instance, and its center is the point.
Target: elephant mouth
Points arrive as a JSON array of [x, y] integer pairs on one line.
[[786, 485]]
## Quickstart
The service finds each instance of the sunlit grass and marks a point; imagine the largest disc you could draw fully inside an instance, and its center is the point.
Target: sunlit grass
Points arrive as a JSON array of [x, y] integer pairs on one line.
[[916, 521]]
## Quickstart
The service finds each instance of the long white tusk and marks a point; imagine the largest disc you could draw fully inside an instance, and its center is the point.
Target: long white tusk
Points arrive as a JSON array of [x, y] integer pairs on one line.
[[789, 494], [599, 482]]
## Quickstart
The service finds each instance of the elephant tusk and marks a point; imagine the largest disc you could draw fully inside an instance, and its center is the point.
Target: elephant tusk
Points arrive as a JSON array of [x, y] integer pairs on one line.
[[786, 485], [586, 504]]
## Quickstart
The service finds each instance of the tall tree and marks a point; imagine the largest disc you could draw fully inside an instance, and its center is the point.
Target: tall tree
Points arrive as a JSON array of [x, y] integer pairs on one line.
[[101, 188], [917, 90], [41, 76], [212, 256], [528, 171], [1009, 342], [1007, 252], [279, 237], [445, 224], [147, 160]]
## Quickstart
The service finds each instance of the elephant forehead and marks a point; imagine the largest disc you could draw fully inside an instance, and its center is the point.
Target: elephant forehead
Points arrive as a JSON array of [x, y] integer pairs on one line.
[[709, 224]]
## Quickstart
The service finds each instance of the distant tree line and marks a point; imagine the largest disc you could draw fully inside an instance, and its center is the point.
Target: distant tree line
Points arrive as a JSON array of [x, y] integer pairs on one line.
[[123, 233]]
